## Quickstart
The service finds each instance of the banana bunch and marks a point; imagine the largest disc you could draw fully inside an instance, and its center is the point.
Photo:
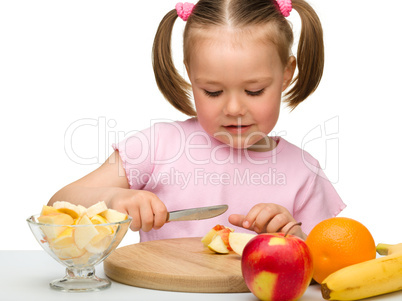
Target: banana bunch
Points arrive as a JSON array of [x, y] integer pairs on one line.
[[366, 279]]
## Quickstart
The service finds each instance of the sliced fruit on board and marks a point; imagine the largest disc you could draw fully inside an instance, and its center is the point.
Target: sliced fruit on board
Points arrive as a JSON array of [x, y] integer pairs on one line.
[[238, 241], [224, 234], [206, 240], [218, 246]]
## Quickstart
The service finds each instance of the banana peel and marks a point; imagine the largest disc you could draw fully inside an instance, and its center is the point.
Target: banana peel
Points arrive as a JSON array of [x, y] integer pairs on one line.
[[367, 279], [387, 249]]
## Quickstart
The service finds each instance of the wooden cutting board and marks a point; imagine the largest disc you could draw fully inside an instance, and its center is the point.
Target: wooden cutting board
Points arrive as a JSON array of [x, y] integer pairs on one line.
[[181, 264]]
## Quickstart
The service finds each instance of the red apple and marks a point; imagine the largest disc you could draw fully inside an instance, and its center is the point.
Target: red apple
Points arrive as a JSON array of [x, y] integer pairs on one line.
[[277, 267]]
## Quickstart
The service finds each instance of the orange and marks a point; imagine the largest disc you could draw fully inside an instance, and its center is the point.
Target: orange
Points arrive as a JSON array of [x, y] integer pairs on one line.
[[339, 242]]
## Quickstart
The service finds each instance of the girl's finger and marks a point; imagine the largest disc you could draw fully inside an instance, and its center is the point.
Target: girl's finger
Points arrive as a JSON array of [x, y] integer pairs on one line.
[[136, 222], [266, 214], [277, 223], [236, 219], [160, 213], [249, 220], [147, 217]]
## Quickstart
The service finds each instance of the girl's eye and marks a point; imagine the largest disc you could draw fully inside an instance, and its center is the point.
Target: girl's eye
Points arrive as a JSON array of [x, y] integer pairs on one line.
[[213, 94], [255, 93]]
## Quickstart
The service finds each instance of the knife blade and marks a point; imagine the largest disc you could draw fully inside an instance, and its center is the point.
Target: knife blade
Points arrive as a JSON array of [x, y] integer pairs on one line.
[[196, 213]]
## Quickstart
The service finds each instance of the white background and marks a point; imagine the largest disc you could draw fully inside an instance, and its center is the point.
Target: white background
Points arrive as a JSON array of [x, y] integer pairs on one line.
[[77, 75]]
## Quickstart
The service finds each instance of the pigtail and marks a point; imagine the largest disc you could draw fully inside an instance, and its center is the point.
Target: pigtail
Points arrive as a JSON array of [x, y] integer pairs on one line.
[[172, 85], [310, 54]]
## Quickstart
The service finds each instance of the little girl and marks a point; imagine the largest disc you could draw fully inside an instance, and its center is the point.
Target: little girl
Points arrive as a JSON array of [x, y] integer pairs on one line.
[[238, 58]]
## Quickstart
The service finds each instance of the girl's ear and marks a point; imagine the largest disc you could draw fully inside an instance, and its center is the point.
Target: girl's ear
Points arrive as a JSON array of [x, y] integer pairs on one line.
[[289, 71]]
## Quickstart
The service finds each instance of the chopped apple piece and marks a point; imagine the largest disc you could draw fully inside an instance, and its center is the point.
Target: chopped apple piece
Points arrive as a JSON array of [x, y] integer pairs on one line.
[[64, 239], [238, 241], [206, 240], [218, 246], [96, 209], [224, 234], [46, 210], [57, 218], [113, 216], [83, 235], [99, 246], [68, 208], [83, 259], [219, 227], [74, 214], [102, 230], [82, 209], [100, 242], [69, 252], [97, 219]]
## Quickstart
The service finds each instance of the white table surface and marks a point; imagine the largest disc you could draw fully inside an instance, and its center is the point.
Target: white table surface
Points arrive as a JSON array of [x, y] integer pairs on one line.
[[25, 275]]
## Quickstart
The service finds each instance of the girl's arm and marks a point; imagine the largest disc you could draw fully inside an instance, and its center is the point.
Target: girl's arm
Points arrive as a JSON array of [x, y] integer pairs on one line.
[[108, 183]]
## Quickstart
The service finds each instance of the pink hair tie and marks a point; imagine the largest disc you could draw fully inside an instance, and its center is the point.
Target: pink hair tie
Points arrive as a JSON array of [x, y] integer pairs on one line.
[[184, 10], [285, 6]]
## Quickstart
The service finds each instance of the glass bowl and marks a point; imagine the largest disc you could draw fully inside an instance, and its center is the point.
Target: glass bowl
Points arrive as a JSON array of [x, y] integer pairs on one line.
[[79, 248]]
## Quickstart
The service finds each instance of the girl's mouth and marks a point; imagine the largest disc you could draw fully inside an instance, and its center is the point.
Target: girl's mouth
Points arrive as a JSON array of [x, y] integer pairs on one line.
[[237, 129]]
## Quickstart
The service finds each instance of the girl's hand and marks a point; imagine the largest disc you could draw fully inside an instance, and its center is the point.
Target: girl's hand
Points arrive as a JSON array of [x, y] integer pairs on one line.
[[146, 209], [267, 218]]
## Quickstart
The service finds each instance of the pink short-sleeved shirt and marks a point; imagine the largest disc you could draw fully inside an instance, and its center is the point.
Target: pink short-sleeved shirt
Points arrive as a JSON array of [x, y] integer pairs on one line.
[[186, 168]]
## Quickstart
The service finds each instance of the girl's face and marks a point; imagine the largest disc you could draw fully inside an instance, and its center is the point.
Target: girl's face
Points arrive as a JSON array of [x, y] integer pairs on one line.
[[237, 82]]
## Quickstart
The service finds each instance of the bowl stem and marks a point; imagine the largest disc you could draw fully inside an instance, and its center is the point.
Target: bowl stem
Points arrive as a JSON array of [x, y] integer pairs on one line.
[[80, 280]]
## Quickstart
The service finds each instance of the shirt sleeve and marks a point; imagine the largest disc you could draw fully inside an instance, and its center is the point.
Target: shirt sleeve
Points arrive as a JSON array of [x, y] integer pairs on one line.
[[320, 202], [136, 153]]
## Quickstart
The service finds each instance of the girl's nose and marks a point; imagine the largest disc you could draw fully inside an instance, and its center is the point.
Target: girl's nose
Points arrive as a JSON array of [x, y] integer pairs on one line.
[[234, 106]]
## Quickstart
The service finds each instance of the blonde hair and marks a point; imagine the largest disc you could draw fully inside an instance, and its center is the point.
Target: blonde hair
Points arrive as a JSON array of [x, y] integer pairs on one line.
[[241, 14]]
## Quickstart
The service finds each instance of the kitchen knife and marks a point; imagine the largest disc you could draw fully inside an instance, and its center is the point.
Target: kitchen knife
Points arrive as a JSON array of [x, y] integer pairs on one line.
[[196, 213]]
